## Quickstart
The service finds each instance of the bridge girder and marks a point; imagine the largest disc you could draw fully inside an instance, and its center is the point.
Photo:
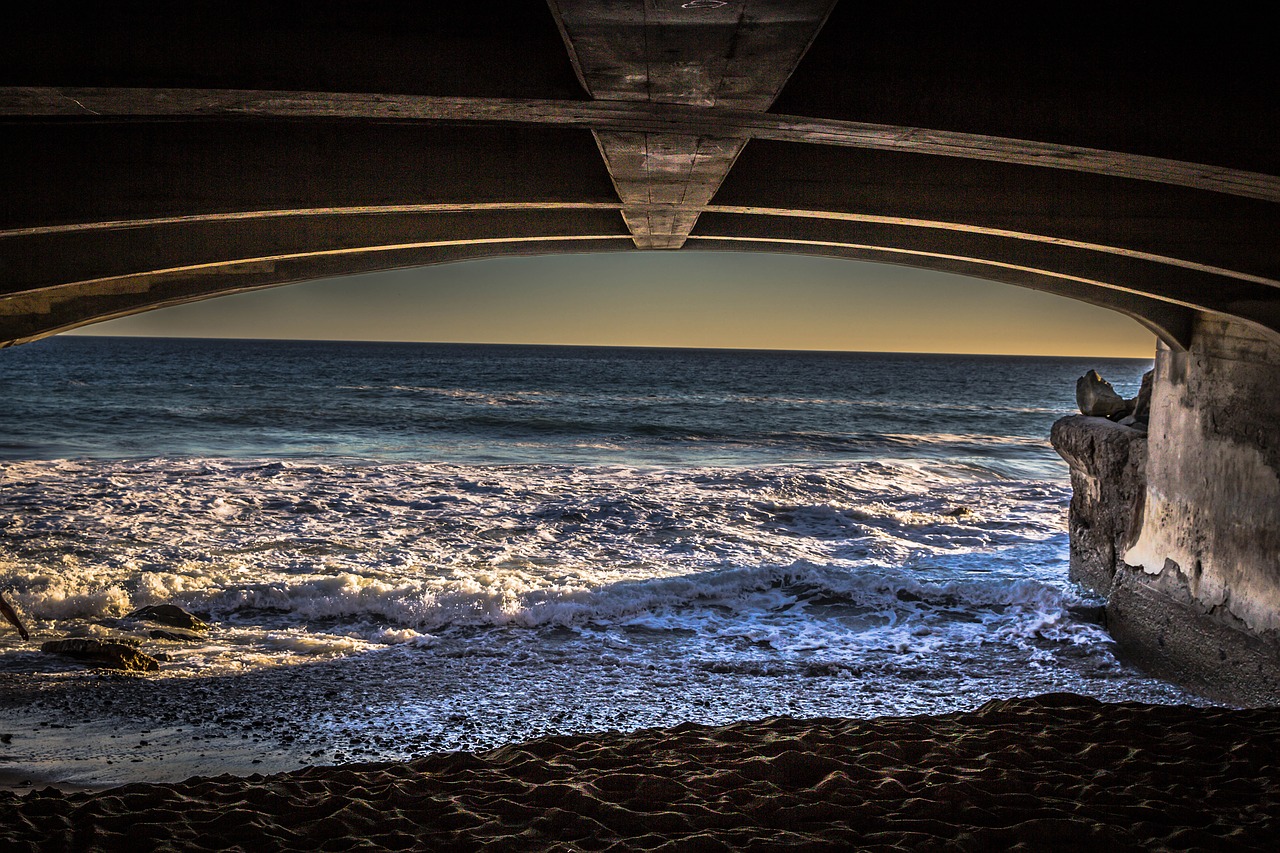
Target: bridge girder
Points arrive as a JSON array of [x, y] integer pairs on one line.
[[183, 154]]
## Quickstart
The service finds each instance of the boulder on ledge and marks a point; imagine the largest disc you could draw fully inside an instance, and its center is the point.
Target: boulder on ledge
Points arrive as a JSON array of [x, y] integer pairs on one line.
[[1097, 399]]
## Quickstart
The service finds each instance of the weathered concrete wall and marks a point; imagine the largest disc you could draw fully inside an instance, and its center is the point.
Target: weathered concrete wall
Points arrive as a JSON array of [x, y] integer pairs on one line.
[[1195, 595], [1203, 594], [1108, 482], [1213, 485]]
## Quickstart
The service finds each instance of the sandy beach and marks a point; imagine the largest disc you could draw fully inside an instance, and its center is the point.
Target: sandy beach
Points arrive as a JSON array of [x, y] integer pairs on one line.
[[1055, 772]]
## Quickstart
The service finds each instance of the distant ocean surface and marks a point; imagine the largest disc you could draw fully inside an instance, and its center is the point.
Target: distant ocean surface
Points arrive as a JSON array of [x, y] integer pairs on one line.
[[630, 536]]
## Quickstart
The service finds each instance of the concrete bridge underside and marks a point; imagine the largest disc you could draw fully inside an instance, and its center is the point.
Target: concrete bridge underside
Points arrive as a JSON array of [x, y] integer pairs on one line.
[[158, 155]]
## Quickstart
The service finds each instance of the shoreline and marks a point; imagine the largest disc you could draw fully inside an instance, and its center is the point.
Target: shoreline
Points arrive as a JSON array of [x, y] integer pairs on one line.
[[83, 729], [97, 756], [1057, 771]]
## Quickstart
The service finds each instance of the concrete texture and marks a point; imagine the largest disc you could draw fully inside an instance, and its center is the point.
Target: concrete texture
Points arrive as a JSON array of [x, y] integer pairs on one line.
[[1212, 512], [1165, 631]]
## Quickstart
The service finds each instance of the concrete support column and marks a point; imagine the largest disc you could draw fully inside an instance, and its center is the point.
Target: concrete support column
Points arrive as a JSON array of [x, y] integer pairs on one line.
[[1197, 596]]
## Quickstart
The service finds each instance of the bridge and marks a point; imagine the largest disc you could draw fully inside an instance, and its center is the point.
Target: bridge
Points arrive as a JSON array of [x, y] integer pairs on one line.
[[155, 155]]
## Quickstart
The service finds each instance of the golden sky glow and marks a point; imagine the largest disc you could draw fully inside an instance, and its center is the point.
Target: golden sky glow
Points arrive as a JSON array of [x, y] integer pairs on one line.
[[666, 299]]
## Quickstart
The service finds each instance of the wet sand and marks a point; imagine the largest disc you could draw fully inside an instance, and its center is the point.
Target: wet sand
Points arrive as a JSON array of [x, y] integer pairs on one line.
[[1056, 772]]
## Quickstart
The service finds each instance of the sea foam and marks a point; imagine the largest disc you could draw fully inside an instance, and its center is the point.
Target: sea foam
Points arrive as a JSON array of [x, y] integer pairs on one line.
[[326, 557]]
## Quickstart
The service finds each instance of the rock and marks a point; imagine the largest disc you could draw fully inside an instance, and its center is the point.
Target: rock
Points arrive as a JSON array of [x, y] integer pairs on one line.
[[1096, 398], [1093, 613], [108, 653], [1140, 406], [1108, 487], [171, 615]]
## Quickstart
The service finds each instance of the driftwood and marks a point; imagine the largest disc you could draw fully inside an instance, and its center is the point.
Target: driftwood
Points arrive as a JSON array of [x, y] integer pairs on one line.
[[8, 613]]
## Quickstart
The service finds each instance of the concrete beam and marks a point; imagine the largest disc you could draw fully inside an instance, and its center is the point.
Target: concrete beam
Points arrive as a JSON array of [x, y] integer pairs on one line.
[[1171, 323], [208, 268], [730, 55], [26, 317], [61, 259], [1208, 229], [664, 180], [97, 103], [735, 55], [106, 199], [1157, 279]]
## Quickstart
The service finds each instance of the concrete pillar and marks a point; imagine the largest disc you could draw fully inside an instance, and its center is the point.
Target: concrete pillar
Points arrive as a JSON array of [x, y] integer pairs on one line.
[[1197, 595]]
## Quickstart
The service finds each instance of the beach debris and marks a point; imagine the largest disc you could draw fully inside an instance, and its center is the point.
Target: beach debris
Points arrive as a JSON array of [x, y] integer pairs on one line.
[[114, 654], [1096, 398], [10, 614], [171, 615]]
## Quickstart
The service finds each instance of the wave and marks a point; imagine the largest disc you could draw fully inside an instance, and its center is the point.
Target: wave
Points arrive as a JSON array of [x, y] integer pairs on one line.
[[889, 603], [305, 557], [362, 514]]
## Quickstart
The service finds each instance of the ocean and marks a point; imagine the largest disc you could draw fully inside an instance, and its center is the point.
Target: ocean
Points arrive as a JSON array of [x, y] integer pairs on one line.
[[500, 542]]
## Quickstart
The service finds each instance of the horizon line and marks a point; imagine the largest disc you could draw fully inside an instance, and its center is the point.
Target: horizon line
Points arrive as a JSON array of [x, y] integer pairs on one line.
[[76, 334]]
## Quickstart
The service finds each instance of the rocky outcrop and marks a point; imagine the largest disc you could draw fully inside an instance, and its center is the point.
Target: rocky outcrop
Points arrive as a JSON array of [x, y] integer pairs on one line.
[[112, 654], [1108, 484], [1182, 531], [121, 649], [171, 615]]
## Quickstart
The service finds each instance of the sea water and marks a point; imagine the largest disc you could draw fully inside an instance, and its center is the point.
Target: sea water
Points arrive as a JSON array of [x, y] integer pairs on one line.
[[552, 538]]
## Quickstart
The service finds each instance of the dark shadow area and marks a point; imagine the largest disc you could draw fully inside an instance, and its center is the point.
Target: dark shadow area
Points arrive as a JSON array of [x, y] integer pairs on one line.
[[1100, 77], [412, 48]]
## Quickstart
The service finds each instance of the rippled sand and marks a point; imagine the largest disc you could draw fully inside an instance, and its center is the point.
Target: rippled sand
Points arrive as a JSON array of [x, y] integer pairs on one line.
[[1056, 772]]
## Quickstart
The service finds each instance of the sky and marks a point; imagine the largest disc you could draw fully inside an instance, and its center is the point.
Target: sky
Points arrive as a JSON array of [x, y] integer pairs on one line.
[[663, 299]]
